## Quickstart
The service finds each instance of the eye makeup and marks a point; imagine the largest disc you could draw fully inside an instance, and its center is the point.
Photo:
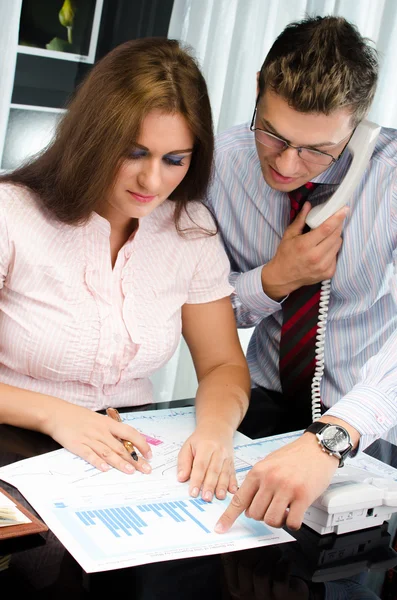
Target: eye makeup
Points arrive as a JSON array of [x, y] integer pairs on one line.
[[171, 159]]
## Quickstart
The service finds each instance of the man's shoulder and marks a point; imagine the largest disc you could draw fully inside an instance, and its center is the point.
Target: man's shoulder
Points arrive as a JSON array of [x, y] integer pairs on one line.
[[386, 147], [234, 139]]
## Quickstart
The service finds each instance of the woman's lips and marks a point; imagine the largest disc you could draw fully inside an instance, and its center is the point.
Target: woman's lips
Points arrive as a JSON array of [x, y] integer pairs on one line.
[[141, 198]]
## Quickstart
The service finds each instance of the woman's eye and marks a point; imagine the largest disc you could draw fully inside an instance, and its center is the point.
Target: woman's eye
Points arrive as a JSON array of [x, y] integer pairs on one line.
[[137, 154], [174, 162]]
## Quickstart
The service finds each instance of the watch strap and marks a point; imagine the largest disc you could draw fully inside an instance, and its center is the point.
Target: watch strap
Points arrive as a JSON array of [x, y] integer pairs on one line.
[[316, 427]]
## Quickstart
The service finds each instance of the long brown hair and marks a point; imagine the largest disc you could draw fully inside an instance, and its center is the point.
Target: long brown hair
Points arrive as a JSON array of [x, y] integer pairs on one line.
[[74, 174]]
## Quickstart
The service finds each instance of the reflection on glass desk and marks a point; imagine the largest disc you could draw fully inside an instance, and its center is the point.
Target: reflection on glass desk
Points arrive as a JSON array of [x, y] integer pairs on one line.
[[359, 565], [331, 557]]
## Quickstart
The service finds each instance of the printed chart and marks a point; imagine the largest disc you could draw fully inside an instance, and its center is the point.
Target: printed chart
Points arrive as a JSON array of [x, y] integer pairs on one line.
[[109, 533]]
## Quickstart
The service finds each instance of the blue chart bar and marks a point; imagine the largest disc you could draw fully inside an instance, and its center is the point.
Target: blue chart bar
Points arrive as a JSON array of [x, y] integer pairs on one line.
[[241, 469], [174, 510], [125, 520], [117, 520]]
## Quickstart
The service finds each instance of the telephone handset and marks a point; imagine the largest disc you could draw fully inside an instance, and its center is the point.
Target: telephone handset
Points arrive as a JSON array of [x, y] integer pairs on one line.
[[361, 146]]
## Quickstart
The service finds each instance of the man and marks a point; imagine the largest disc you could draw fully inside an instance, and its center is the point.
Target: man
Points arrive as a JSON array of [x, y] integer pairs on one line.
[[315, 86]]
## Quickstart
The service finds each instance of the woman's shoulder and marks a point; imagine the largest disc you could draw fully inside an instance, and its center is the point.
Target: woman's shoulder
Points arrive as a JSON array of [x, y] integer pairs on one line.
[[14, 197], [21, 213]]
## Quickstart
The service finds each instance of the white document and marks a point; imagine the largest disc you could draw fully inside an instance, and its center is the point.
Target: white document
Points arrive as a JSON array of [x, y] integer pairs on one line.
[[113, 520]]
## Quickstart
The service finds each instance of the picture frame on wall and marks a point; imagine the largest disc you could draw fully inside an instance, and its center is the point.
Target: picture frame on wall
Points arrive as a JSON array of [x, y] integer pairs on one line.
[[42, 86], [63, 29]]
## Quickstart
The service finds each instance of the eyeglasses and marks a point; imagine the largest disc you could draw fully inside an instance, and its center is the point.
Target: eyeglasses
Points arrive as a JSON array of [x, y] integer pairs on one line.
[[307, 154]]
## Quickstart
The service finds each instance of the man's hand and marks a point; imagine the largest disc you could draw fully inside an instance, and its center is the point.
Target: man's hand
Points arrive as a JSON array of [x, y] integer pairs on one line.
[[207, 458], [292, 478], [304, 258]]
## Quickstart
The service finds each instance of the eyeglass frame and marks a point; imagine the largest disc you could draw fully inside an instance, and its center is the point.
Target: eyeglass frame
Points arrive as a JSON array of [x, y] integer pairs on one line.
[[298, 148]]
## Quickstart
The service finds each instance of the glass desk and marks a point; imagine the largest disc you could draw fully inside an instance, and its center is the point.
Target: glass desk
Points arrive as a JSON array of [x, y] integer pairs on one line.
[[360, 565]]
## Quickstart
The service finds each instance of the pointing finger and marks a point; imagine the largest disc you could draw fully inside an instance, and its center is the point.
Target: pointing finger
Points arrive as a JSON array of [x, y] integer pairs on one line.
[[240, 502]]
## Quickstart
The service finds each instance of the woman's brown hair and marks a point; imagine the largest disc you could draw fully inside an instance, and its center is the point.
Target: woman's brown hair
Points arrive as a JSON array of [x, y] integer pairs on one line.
[[74, 174]]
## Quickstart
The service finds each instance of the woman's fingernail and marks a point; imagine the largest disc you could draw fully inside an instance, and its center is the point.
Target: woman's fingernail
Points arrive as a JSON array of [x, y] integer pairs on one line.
[[181, 475], [149, 455], [208, 496], [233, 489], [194, 492], [129, 467], [147, 468], [221, 493], [104, 467]]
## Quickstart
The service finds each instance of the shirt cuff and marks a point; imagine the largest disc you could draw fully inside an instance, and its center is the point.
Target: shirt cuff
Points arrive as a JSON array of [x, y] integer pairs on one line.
[[370, 411], [249, 290]]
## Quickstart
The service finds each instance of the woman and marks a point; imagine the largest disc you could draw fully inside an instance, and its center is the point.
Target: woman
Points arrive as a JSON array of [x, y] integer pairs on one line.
[[106, 255]]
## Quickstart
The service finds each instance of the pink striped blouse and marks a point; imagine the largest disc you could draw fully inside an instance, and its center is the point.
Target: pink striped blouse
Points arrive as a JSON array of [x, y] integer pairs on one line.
[[73, 327]]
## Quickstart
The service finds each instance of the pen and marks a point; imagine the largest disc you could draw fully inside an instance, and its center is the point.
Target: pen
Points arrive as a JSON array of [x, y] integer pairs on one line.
[[113, 413]]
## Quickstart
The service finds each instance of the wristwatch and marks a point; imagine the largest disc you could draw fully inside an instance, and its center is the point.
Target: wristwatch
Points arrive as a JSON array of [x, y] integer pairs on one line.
[[333, 439]]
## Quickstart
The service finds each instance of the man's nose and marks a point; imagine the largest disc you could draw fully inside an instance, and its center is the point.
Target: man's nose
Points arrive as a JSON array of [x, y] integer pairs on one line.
[[289, 163]]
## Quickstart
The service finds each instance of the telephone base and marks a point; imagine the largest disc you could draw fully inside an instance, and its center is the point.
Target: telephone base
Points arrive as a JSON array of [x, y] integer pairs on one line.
[[347, 518], [347, 526], [350, 504]]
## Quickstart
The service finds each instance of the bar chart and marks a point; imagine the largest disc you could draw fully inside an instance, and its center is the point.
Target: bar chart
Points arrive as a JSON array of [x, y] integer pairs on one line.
[[107, 531], [124, 520]]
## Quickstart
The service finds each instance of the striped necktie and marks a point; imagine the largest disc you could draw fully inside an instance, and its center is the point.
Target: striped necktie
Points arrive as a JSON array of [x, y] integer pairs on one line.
[[299, 328]]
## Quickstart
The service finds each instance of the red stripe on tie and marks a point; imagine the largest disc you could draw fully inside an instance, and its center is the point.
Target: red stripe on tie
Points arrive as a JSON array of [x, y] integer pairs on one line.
[[297, 348], [300, 312]]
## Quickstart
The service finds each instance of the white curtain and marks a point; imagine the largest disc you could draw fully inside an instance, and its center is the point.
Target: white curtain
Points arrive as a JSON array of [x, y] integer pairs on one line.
[[9, 28], [231, 38]]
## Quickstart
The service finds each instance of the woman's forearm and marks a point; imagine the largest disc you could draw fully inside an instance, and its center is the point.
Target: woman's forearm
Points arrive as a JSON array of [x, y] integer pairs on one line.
[[27, 409], [223, 396]]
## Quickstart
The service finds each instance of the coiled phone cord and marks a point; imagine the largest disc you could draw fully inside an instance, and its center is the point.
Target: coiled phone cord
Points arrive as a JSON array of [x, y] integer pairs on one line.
[[325, 293]]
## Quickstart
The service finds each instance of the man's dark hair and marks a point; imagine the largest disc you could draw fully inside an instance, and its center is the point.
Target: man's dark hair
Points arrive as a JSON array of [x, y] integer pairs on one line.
[[322, 64]]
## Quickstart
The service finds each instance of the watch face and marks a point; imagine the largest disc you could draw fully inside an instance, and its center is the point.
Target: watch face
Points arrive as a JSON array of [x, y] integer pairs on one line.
[[335, 439]]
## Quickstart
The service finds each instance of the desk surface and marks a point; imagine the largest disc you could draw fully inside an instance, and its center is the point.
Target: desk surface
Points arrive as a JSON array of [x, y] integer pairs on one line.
[[352, 566]]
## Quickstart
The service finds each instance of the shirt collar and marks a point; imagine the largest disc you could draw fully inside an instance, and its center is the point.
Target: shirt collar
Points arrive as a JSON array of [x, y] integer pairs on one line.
[[98, 222]]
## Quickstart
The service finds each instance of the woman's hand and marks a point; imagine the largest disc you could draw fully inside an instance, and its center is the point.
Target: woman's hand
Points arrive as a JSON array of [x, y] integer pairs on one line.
[[221, 399], [207, 458], [96, 438]]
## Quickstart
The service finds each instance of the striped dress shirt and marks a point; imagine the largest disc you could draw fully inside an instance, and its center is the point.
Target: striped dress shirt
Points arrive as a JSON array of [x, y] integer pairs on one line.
[[73, 327], [360, 379]]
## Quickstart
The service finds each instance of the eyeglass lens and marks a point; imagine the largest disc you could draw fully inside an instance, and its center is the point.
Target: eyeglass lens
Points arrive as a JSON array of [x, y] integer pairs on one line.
[[306, 154]]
